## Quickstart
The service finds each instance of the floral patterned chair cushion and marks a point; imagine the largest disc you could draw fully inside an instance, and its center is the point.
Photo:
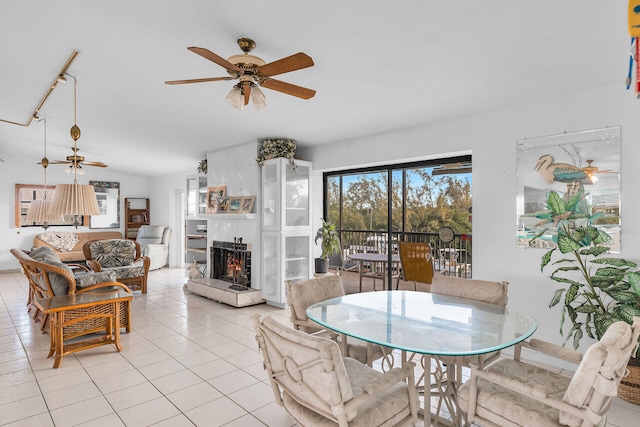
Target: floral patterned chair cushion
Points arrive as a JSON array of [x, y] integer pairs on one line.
[[113, 252], [122, 257]]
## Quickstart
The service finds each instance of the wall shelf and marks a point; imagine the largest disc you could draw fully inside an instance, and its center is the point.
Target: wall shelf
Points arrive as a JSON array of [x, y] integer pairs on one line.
[[230, 216]]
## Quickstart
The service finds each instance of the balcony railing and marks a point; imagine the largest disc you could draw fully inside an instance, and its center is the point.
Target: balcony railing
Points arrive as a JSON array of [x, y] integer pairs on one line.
[[454, 258]]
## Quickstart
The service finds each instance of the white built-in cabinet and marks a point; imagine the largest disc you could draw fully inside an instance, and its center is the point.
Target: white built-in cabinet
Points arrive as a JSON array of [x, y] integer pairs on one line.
[[286, 226], [195, 224]]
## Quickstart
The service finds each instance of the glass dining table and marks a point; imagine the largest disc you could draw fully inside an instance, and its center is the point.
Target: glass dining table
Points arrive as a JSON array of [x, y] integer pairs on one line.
[[426, 324]]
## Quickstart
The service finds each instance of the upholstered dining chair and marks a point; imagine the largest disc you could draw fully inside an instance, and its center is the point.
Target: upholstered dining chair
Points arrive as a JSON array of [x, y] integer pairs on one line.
[[121, 256], [318, 387], [300, 295], [511, 392], [478, 290], [417, 263], [48, 277]]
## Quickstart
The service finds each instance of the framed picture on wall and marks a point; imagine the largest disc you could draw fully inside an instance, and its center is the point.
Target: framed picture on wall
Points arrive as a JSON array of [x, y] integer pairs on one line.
[[235, 204], [223, 204], [213, 196], [247, 204]]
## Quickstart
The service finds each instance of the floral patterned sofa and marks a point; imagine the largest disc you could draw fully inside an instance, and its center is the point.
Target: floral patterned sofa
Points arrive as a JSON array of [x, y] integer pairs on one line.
[[67, 246]]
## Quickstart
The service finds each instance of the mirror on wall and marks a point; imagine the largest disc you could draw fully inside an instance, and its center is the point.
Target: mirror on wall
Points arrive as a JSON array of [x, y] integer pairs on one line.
[[108, 195], [583, 163]]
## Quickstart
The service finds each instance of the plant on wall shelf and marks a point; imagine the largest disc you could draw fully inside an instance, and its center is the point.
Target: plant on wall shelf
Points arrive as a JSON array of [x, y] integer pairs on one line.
[[599, 290], [203, 166], [272, 148]]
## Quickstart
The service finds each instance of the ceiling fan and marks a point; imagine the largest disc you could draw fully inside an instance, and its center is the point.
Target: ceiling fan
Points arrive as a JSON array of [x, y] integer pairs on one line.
[[591, 171], [253, 72], [76, 162]]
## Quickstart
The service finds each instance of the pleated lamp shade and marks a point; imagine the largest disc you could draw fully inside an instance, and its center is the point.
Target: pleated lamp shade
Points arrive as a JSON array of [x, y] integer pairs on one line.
[[40, 212], [74, 199]]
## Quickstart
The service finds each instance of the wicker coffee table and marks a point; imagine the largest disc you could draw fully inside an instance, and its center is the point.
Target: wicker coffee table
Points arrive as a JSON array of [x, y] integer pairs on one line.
[[87, 313]]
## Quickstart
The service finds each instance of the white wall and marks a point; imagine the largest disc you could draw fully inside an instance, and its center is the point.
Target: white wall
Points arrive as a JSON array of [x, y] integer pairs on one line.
[[27, 171], [491, 138]]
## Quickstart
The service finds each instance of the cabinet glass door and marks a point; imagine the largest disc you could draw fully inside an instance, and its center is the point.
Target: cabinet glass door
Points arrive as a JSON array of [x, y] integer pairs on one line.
[[270, 196], [296, 249], [271, 282], [296, 196]]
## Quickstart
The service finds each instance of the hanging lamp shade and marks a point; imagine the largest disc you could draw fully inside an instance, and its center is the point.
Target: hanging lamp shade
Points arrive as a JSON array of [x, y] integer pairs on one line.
[[40, 212], [74, 199]]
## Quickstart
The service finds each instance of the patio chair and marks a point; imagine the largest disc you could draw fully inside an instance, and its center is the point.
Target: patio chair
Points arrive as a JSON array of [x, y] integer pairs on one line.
[[48, 277], [301, 295], [318, 387], [512, 392], [121, 256], [417, 263]]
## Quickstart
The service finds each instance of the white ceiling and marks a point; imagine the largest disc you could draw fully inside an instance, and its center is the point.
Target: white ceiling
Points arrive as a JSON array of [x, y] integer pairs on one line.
[[379, 66]]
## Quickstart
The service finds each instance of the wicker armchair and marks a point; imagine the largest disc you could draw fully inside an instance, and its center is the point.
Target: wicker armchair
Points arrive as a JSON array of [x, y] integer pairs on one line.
[[511, 392], [121, 256], [301, 295], [318, 387], [49, 277]]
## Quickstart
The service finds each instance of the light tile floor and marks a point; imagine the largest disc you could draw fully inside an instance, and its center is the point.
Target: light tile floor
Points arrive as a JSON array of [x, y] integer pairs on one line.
[[188, 361]]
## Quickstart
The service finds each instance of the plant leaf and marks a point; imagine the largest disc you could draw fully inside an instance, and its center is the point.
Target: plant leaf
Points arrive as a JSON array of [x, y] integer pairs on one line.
[[556, 299], [556, 203], [572, 293], [634, 281], [577, 336], [567, 244], [626, 313], [546, 258], [618, 262]]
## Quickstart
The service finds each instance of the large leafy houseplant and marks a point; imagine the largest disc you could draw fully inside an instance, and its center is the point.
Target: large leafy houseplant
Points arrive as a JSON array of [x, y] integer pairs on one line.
[[599, 290], [329, 243]]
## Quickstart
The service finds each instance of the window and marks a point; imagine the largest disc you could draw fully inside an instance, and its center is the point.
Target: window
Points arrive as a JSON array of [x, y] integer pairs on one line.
[[412, 201]]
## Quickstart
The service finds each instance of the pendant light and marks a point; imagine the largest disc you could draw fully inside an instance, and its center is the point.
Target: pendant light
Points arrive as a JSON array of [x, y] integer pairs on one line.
[[39, 209], [75, 199]]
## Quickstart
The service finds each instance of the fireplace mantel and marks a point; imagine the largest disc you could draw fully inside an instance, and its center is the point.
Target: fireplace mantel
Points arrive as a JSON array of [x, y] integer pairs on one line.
[[230, 216]]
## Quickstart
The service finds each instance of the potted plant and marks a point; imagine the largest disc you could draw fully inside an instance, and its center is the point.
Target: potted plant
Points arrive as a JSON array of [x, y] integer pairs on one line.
[[272, 148], [330, 245], [598, 290]]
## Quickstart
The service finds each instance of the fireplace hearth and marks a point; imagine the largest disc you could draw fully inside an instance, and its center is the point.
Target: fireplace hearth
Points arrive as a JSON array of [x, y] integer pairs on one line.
[[231, 262]]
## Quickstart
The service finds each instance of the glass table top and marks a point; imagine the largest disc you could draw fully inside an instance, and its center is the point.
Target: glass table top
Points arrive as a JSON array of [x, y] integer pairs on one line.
[[422, 322]]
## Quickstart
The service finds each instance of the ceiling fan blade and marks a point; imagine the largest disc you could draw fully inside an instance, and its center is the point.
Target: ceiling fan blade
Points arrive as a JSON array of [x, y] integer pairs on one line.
[[246, 91], [212, 79], [60, 162], [288, 88], [97, 164], [294, 62], [206, 53]]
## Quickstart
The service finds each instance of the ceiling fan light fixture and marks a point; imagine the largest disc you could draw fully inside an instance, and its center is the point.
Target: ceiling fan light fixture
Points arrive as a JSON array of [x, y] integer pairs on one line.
[[258, 98], [235, 98]]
